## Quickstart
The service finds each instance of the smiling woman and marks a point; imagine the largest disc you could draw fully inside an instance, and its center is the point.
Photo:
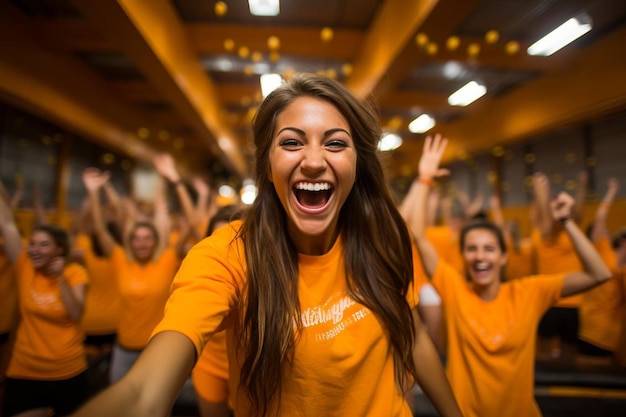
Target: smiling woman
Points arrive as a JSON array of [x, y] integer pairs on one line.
[[47, 366], [491, 325], [309, 154], [313, 328]]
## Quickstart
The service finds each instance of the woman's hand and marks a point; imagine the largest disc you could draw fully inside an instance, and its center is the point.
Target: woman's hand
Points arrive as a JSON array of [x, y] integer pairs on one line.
[[94, 179], [432, 153], [561, 206], [55, 267], [166, 166]]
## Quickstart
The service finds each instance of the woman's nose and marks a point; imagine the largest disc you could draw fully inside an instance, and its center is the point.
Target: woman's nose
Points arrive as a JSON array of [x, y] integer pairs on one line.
[[314, 159]]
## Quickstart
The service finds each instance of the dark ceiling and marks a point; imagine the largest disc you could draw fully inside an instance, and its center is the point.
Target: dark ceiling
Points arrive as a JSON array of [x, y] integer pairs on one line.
[[142, 76]]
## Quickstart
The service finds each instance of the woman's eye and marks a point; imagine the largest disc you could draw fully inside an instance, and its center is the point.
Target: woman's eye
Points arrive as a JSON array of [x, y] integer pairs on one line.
[[337, 144], [288, 143]]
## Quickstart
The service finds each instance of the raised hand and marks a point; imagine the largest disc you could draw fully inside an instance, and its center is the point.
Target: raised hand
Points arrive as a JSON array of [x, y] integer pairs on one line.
[[200, 186], [561, 206], [54, 269], [432, 153], [94, 179], [494, 202], [166, 166]]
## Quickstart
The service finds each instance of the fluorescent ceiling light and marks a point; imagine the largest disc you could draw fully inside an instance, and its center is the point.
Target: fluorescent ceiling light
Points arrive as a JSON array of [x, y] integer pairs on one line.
[[467, 94], [421, 124], [569, 31], [264, 7], [389, 142], [269, 83]]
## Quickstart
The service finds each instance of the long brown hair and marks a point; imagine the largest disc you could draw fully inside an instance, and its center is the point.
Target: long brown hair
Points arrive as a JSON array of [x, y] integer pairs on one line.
[[378, 257]]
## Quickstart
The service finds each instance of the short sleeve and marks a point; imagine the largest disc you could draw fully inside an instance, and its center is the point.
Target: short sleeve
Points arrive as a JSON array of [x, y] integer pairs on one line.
[[206, 289], [76, 274]]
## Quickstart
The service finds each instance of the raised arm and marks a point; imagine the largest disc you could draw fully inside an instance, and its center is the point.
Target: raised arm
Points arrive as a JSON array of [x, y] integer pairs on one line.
[[151, 385], [595, 270], [408, 205], [599, 224], [40, 211], [205, 205], [19, 192], [166, 166], [428, 170], [432, 205], [9, 232], [94, 180], [496, 211], [4, 195], [581, 196], [541, 205], [475, 206], [115, 204], [162, 218]]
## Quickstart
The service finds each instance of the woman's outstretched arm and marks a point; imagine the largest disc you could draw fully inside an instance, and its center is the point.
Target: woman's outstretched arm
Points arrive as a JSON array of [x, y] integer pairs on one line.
[[150, 387]]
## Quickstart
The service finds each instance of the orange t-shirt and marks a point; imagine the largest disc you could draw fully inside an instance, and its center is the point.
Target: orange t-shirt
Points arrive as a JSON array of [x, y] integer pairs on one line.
[[103, 307], [144, 290], [491, 345], [49, 345], [8, 295], [210, 374], [603, 308], [343, 364], [556, 255], [520, 263]]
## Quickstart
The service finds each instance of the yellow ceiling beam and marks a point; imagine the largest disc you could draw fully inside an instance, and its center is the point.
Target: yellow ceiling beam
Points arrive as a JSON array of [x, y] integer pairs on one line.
[[152, 36], [390, 32], [63, 90]]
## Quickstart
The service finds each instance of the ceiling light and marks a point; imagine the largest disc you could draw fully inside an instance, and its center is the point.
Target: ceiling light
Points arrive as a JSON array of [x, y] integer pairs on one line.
[[467, 94], [569, 31], [264, 7], [269, 83], [389, 142], [226, 191], [248, 192], [421, 124]]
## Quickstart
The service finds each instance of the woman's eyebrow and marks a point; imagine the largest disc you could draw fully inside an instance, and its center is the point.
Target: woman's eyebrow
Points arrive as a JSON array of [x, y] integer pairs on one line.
[[329, 132]]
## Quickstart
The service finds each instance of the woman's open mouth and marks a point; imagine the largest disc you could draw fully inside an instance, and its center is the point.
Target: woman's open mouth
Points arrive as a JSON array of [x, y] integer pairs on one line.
[[313, 195]]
